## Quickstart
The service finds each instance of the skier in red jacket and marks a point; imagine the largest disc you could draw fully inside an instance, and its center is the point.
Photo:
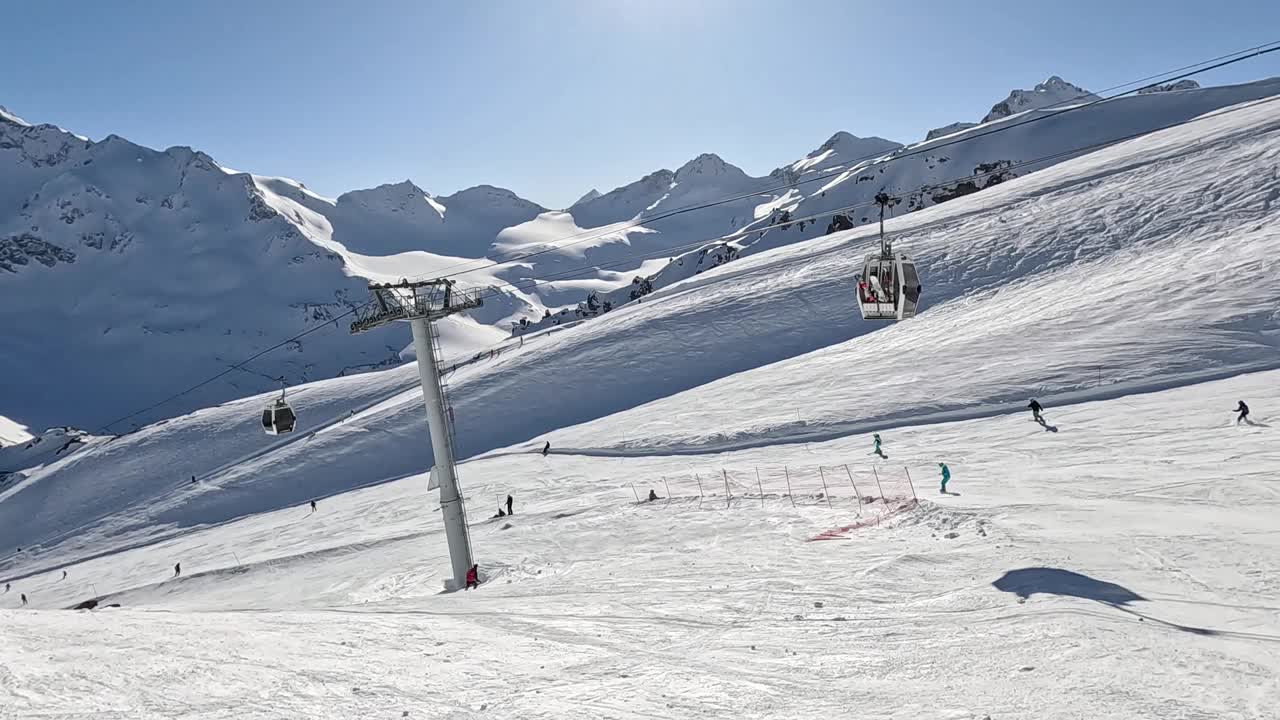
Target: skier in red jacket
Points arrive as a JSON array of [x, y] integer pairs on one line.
[[473, 577]]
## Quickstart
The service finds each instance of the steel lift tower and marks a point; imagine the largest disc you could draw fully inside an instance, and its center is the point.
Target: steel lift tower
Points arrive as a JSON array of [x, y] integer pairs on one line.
[[421, 304]]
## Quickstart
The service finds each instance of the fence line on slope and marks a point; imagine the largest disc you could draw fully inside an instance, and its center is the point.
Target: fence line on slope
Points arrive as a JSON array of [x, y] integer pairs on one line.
[[835, 486]]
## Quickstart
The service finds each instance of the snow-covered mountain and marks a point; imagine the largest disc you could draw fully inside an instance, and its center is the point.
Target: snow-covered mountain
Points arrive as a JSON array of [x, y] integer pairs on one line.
[[587, 197], [951, 129], [833, 187], [1054, 92], [127, 274], [1139, 514], [1093, 263]]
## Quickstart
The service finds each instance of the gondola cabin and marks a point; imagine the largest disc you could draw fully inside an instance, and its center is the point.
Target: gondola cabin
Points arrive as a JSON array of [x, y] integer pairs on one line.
[[888, 288], [279, 418]]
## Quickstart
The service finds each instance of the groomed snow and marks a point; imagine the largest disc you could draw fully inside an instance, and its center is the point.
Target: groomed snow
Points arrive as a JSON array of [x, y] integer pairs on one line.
[[1141, 534]]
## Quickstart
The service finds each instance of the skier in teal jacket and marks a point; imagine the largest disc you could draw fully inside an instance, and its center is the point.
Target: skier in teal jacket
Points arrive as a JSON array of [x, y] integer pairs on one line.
[[877, 450], [946, 475]]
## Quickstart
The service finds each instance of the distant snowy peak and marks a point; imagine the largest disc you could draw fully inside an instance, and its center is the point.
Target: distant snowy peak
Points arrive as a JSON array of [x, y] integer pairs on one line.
[[591, 194], [8, 117], [848, 145], [185, 156], [658, 179], [488, 196], [1051, 92], [644, 191], [1170, 87], [707, 165], [948, 130], [841, 148], [401, 197]]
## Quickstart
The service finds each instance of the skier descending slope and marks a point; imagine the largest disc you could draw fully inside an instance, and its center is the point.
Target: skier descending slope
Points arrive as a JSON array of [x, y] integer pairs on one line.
[[877, 450], [946, 476], [1244, 412], [1036, 409]]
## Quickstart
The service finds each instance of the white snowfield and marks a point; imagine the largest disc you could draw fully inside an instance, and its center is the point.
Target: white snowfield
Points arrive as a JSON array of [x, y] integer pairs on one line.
[[1106, 274], [12, 433], [1142, 535], [1135, 291]]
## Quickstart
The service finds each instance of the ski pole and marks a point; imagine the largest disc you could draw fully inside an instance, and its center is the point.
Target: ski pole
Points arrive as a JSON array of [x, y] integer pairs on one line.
[[855, 488], [761, 486], [825, 493]]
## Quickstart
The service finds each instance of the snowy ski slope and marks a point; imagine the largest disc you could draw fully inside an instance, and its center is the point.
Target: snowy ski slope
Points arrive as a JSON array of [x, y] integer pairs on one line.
[[1120, 562], [1142, 534], [1008, 314]]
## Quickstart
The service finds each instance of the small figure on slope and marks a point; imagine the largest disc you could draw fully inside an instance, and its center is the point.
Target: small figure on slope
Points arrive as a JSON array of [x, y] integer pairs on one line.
[[946, 476], [877, 450], [473, 577], [652, 495], [500, 513], [1036, 409], [546, 448], [177, 569], [313, 506], [510, 503], [1244, 413], [24, 598]]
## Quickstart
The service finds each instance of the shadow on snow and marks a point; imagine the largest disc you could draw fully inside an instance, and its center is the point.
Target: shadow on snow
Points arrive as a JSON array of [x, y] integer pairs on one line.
[[1026, 582]]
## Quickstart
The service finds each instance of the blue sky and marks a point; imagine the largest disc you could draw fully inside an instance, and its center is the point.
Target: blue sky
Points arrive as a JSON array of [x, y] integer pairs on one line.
[[553, 97]]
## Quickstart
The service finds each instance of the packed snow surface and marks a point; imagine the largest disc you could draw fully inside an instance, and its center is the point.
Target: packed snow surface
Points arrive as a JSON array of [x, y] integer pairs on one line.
[[1123, 566]]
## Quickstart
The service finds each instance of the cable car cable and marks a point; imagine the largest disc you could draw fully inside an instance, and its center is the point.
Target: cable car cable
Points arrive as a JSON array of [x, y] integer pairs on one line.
[[1213, 64], [229, 370]]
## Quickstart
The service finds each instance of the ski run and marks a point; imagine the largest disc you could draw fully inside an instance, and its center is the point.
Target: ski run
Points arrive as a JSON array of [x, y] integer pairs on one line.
[[1119, 559]]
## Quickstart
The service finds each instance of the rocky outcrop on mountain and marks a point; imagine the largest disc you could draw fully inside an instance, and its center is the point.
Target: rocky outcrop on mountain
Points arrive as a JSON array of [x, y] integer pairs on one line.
[[25, 248], [1187, 84]]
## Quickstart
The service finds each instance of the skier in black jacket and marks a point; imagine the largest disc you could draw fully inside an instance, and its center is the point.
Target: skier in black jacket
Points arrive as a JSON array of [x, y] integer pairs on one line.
[[1244, 412], [1036, 409]]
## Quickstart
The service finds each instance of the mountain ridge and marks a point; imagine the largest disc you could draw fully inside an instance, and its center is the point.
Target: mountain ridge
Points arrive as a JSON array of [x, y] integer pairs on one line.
[[220, 246]]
